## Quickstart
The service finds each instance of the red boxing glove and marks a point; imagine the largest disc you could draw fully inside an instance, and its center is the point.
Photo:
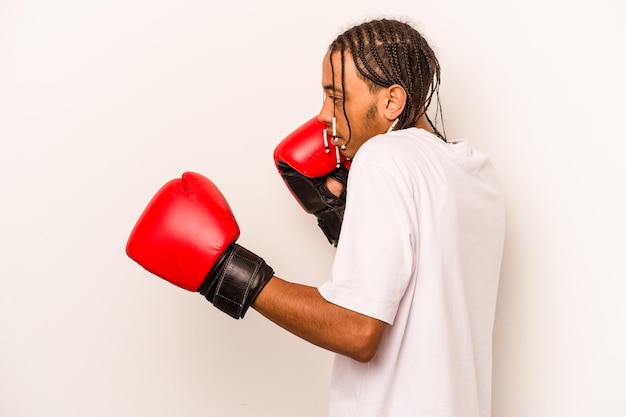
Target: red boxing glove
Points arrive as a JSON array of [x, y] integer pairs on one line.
[[186, 235], [305, 161], [306, 150]]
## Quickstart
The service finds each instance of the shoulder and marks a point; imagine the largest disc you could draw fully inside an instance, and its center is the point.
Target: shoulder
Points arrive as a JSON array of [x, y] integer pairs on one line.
[[399, 148]]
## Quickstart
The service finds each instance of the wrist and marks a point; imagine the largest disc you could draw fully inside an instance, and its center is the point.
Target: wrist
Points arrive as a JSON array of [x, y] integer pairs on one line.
[[236, 280]]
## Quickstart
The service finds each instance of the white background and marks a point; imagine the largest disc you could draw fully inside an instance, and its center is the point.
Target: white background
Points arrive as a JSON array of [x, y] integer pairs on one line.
[[101, 102]]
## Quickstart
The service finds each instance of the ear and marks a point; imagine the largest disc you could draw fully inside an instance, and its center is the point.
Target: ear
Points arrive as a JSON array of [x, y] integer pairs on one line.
[[395, 101]]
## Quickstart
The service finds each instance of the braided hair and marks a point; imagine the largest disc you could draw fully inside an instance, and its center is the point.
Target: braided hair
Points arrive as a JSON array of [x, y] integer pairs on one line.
[[387, 52]]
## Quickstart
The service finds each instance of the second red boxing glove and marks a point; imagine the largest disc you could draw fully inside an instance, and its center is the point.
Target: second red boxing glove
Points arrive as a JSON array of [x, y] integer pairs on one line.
[[305, 161]]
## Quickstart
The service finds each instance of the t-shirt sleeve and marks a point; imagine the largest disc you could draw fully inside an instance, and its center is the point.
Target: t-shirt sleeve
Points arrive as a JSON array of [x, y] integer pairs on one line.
[[375, 255]]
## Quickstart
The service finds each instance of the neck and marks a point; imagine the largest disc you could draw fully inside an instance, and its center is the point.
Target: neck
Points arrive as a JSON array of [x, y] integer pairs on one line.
[[423, 123]]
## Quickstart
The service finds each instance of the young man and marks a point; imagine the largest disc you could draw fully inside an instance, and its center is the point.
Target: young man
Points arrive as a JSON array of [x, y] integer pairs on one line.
[[410, 306]]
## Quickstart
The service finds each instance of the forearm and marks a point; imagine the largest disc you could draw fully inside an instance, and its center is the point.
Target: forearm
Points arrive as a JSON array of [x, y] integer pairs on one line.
[[301, 310]]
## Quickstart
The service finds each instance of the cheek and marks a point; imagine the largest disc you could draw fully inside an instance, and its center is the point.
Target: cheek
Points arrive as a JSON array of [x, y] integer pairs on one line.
[[371, 113]]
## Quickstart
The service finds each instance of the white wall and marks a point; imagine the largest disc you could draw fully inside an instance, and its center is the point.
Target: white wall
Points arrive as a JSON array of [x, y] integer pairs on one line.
[[102, 102]]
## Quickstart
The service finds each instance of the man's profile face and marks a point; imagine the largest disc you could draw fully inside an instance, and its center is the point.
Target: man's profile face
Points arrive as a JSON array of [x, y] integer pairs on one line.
[[361, 105]]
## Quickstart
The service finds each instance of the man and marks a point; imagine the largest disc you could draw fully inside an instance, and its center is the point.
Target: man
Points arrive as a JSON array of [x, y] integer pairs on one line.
[[410, 306]]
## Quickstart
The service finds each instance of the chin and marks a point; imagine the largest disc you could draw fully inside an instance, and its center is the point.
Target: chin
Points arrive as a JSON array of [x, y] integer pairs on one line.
[[348, 154]]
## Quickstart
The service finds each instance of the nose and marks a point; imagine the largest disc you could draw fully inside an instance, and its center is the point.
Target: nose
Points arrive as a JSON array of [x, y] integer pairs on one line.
[[326, 112]]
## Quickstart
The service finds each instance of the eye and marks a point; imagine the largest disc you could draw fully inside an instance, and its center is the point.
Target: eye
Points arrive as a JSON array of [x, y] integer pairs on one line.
[[333, 97]]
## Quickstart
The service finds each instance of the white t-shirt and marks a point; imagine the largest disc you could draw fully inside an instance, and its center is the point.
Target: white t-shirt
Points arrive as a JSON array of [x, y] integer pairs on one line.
[[420, 249]]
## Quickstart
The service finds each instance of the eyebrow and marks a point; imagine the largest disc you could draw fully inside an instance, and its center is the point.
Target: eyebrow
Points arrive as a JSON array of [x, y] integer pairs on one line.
[[333, 88]]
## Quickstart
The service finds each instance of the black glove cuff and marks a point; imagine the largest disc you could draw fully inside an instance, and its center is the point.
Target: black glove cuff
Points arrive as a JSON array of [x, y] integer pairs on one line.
[[236, 280], [315, 197], [330, 223]]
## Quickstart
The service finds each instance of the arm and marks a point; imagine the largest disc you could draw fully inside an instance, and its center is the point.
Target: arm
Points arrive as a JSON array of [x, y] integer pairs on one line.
[[188, 229], [301, 310]]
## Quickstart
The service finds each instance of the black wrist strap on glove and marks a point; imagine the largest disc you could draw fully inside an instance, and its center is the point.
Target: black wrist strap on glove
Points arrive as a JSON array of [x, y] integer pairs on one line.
[[235, 281], [315, 197]]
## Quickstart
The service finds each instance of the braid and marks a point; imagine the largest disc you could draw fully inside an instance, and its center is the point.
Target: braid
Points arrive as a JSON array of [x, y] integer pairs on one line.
[[379, 61], [387, 52], [405, 54], [343, 83], [391, 48], [369, 73]]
